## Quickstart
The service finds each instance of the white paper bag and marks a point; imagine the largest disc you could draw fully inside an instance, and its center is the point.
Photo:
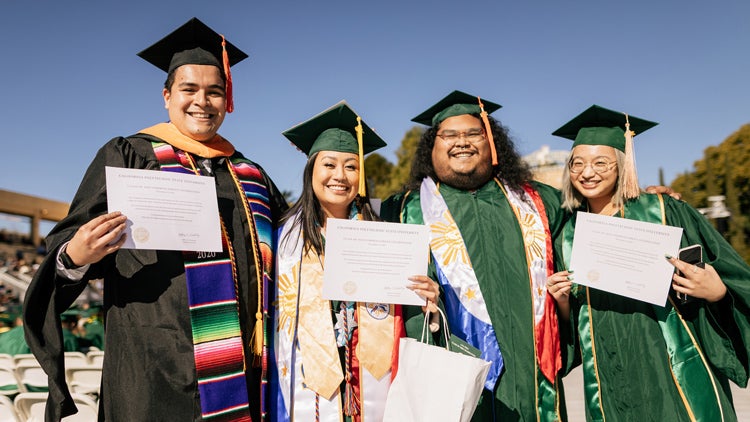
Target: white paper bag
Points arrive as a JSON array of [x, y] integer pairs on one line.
[[433, 383]]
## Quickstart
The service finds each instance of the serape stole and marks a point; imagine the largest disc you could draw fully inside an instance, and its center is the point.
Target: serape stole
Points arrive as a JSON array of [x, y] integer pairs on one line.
[[212, 294], [691, 372]]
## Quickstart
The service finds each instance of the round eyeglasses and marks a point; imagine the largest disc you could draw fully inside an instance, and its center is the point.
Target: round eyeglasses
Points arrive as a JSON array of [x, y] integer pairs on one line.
[[600, 165], [451, 137]]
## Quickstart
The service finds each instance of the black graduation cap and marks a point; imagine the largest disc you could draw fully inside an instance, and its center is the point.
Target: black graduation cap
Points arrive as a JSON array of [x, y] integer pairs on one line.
[[454, 104], [192, 43], [195, 43]]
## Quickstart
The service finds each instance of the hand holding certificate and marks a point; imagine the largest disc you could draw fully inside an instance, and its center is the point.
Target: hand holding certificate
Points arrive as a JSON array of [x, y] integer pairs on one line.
[[165, 210], [369, 261], [625, 257]]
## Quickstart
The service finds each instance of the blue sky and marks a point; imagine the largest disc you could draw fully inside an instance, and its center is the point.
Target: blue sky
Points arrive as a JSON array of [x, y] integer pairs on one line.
[[72, 79]]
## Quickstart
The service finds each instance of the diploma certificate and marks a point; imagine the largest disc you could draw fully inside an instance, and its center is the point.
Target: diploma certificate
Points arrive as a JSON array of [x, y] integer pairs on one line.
[[165, 210], [371, 261], [625, 257]]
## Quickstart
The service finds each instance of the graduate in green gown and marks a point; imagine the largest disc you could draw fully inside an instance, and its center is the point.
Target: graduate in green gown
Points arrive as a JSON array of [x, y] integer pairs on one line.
[[641, 361], [332, 360], [491, 230], [12, 342]]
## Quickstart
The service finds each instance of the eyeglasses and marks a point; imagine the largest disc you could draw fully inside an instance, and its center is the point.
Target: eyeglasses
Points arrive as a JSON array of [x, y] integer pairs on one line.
[[450, 137], [600, 165]]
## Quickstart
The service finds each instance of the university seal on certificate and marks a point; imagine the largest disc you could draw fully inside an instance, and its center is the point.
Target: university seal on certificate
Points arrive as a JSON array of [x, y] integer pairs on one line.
[[349, 287], [140, 234]]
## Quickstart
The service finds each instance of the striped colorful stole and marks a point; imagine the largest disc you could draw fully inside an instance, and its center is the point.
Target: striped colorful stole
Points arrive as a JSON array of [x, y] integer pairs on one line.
[[212, 296]]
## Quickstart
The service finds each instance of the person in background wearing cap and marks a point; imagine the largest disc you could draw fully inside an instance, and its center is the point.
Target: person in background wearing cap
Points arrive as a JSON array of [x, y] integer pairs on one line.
[[340, 368], [491, 230], [669, 362], [69, 320], [168, 356]]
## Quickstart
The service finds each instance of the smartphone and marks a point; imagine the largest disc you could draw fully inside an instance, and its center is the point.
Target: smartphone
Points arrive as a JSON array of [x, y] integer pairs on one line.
[[692, 254]]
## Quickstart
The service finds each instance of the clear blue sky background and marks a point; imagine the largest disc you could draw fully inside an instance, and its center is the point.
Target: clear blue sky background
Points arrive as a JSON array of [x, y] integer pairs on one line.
[[72, 80]]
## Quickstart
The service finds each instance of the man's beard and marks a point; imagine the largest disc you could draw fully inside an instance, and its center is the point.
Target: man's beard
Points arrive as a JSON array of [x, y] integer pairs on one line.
[[468, 181]]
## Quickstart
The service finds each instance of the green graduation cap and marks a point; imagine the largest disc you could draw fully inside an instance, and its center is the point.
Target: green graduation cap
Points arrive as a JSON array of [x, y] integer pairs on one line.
[[454, 104], [600, 126], [338, 129], [195, 43], [71, 314], [334, 129]]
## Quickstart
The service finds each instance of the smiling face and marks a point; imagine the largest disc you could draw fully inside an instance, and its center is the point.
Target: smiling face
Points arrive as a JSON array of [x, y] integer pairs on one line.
[[335, 180], [463, 165], [597, 187], [196, 101]]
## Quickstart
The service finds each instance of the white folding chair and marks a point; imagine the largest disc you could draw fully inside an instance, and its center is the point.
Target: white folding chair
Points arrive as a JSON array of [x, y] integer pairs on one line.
[[24, 358], [31, 378], [8, 382], [84, 379], [75, 359], [96, 357], [7, 410], [30, 407], [7, 361]]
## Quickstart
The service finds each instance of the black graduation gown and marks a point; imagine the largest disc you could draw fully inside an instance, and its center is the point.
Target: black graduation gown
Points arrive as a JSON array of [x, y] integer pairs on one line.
[[149, 367]]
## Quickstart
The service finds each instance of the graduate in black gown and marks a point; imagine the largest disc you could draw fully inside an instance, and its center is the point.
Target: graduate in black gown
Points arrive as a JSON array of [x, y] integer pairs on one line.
[[161, 337]]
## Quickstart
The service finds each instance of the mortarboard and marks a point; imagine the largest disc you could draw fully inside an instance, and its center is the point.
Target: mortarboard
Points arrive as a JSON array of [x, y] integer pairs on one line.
[[195, 43], [458, 103], [71, 314], [600, 126], [338, 128], [454, 104]]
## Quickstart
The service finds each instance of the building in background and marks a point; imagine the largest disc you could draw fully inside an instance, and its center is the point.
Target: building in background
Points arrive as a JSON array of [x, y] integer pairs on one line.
[[547, 165]]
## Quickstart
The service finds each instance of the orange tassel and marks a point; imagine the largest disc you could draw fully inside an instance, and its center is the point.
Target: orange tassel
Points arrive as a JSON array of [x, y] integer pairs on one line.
[[227, 74], [488, 130]]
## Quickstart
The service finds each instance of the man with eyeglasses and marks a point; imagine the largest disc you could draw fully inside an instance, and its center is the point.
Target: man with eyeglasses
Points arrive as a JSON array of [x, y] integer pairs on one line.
[[491, 230]]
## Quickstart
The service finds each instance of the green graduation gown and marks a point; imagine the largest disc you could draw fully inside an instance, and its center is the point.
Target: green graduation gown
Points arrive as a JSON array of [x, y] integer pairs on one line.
[[13, 343], [633, 374], [149, 368], [495, 246]]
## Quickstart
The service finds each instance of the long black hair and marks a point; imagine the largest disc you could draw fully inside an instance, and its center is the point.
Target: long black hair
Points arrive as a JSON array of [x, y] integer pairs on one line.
[[309, 214], [510, 167]]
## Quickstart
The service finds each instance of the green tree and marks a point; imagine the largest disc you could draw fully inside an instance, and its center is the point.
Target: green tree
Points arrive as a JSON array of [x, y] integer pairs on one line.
[[378, 172], [399, 174], [724, 171]]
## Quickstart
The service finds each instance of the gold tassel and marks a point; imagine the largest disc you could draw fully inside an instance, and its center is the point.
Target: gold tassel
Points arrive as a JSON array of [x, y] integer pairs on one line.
[[360, 131], [630, 187], [488, 130], [256, 341]]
